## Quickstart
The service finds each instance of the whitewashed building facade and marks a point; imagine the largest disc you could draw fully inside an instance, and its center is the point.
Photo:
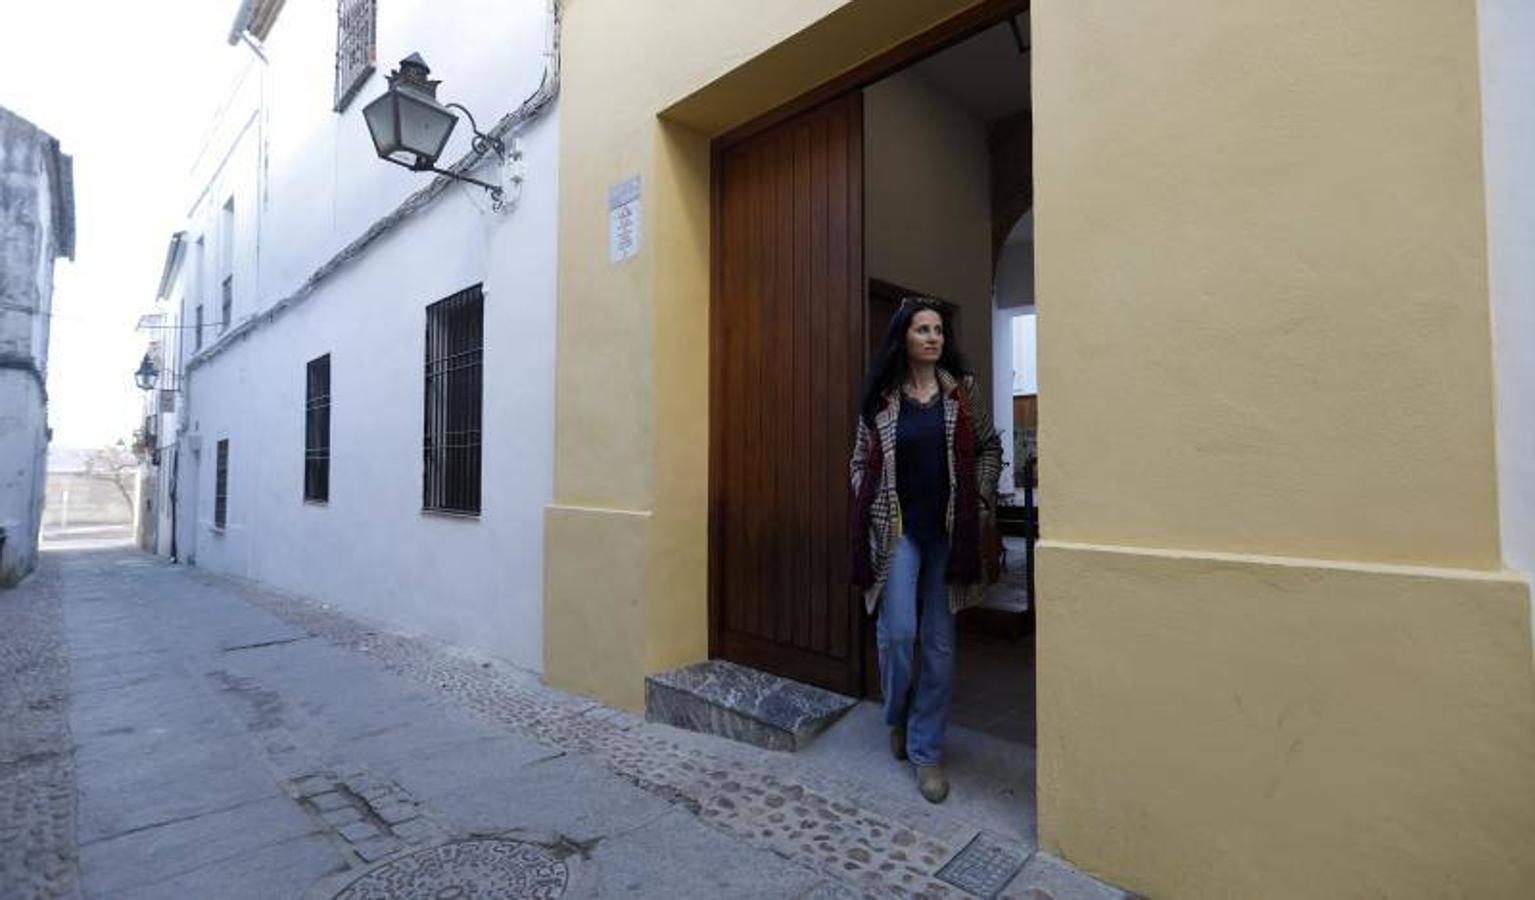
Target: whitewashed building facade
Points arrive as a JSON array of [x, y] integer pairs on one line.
[[360, 358], [37, 212]]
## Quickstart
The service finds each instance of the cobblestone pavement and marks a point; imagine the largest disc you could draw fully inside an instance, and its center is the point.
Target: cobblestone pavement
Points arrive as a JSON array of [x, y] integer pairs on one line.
[[301, 752], [37, 775]]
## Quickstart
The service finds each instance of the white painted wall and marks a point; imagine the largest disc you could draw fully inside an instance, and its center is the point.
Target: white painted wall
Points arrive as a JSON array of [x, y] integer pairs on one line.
[[1016, 368], [1012, 298], [1508, 127], [28, 248], [306, 183], [22, 448], [1025, 330]]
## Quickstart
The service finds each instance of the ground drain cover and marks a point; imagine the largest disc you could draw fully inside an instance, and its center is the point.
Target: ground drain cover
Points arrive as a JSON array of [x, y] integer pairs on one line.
[[465, 870], [984, 867]]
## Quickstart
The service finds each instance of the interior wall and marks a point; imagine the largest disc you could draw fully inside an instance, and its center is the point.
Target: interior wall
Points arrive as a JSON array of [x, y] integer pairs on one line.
[[1015, 268], [1508, 123], [927, 203], [1001, 387], [1012, 295]]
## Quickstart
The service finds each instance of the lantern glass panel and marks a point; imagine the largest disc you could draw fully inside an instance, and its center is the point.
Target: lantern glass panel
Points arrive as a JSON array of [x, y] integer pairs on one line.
[[424, 125], [381, 124]]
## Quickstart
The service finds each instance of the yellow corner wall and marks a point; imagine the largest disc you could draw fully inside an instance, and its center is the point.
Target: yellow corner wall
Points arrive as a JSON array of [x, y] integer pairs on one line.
[[1263, 333], [1226, 726]]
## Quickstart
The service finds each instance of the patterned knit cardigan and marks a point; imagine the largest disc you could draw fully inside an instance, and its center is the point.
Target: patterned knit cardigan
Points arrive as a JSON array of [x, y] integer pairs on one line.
[[975, 460]]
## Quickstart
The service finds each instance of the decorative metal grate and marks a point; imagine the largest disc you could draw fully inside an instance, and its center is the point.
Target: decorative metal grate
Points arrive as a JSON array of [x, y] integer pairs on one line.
[[984, 867], [317, 430], [221, 486], [356, 26], [451, 445], [227, 304]]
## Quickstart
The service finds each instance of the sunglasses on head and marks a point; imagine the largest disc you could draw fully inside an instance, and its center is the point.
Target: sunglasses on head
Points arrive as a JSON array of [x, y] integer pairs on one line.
[[921, 303]]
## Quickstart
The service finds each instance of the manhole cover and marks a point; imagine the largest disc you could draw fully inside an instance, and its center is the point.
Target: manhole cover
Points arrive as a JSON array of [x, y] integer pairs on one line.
[[465, 870]]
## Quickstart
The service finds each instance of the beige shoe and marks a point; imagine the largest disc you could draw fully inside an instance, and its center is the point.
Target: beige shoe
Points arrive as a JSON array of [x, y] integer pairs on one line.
[[933, 784], [898, 743]]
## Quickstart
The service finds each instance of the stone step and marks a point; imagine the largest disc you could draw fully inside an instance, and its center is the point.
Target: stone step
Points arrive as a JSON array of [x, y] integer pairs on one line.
[[743, 704]]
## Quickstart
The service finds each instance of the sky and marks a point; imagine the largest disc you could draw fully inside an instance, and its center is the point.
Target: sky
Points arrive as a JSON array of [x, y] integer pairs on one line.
[[129, 90]]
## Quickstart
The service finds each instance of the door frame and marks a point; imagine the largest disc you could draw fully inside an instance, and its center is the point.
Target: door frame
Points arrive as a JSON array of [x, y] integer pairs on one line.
[[945, 34]]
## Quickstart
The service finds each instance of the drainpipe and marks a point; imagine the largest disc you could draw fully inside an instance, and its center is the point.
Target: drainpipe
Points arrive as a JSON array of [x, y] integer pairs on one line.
[[175, 474]]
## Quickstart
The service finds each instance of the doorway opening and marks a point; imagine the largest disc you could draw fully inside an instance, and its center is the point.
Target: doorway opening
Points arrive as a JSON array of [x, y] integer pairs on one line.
[[917, 180]]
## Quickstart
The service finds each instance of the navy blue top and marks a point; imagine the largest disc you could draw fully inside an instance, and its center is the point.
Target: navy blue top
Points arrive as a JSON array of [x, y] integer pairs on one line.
[[921, 467]]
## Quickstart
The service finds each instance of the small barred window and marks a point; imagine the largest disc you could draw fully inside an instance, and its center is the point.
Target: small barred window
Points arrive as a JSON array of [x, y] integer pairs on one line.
[[356, 26]]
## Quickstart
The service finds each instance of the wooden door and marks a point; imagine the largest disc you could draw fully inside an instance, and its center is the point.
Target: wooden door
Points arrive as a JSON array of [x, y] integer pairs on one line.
[[787, 349]]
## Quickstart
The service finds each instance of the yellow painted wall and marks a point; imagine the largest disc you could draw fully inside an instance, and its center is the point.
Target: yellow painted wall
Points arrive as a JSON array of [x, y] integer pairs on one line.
[[1261, 270], [1278, 655], [587, 551], [1224, 726], [927, 203], [1263, 329]]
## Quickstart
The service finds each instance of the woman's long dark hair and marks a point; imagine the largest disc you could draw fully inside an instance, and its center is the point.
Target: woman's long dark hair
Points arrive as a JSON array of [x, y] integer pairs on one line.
[[890, 367]]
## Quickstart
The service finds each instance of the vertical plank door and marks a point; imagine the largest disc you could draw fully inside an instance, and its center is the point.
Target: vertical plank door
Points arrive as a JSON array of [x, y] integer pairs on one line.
[[787, 336]]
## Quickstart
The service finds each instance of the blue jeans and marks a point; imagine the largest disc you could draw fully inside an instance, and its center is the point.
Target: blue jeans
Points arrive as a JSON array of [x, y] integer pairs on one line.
[[917, 581]]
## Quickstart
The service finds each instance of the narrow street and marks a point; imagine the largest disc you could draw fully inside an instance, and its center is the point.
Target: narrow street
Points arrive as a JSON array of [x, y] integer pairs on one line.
[[170, 733]]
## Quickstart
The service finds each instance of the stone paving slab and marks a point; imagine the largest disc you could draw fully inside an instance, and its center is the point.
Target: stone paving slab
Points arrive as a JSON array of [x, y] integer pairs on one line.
[[285, 869], [649, 862], [575, 796], [113, 865], [376, 848], [336, 818], [357, 832], [204, 780], [472, 762], [419, 831]]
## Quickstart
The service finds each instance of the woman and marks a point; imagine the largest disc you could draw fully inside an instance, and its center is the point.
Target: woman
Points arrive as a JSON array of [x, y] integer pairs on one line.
[[924, 473]]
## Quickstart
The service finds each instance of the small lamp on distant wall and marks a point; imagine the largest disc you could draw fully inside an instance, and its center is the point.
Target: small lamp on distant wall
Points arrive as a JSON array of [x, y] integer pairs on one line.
[[410, 126], [146, 375]]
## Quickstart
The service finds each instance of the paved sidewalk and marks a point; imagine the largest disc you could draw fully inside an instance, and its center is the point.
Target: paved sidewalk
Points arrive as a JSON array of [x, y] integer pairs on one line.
[[232, 742]]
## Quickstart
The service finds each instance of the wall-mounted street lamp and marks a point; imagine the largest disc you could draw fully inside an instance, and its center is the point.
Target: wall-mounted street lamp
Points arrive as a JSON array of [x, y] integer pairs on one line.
[[146, 375], [410, 127]]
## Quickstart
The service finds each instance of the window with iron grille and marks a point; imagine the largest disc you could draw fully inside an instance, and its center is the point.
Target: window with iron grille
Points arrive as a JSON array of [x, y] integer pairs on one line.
[[221, 486], [227, 264], [356, 24], [317, 430], [454, 327], [197, 334]]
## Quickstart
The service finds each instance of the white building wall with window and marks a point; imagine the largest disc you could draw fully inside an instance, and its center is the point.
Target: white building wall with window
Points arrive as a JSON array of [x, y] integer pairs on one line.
[[36, 228], [304, 184]]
